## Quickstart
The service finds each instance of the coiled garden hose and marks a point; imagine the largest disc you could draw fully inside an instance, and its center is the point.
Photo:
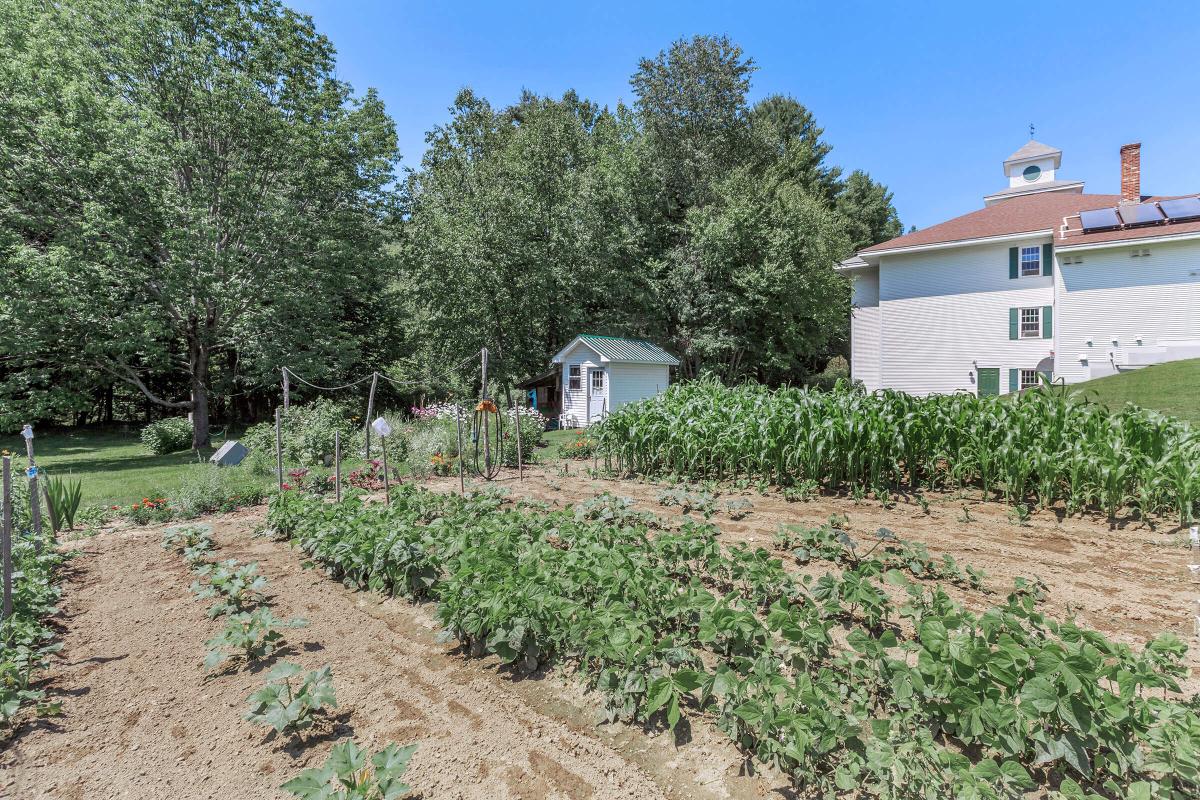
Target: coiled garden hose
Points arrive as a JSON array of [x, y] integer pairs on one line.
[[487, 435]]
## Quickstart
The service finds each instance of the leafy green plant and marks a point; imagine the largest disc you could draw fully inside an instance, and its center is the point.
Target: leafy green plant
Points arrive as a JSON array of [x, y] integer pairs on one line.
[[207, 489], [289, 706], [249, 635], [193, 542], [689, 501], [65, 497], [238, 587], [351, 773], [167, 435], [738, 507]]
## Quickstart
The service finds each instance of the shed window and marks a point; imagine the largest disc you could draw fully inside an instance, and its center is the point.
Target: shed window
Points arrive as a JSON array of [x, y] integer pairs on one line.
[[1031, 261], [1029, 379], [597, 380], [573, 378], [1031, 323]]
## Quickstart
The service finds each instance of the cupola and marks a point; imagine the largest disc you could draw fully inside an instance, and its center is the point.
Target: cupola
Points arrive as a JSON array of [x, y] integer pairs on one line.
[[1031, 170]]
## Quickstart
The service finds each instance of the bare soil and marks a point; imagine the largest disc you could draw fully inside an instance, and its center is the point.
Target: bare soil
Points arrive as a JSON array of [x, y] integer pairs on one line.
[[142, 719]]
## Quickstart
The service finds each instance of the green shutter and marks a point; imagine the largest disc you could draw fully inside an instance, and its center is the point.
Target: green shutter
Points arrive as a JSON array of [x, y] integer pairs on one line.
[[1047, 322], [1012, 323], [1013, 262], [1047, 259], [1014, 380]]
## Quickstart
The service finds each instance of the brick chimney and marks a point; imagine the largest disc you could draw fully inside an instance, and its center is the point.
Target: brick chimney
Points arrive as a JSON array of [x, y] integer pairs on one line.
[[1131, 173]]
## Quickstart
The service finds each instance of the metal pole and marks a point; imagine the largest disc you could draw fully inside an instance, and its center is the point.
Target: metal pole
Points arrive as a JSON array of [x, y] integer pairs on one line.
[[337, 465], [278, 450], [287, 391], [371, 411], [483, 357], [462, 483], [387, 484], [6, 541]]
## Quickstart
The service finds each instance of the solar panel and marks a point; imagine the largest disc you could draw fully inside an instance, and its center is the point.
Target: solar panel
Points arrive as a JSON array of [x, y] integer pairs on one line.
[[1099, 220], [1183, 208], [1141, 214]]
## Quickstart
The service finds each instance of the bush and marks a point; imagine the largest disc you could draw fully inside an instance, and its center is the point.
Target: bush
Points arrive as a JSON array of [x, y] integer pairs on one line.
[[430, 443], [207, 489], [533, 424], [307, 436], [579, 446], [167, 435], [837, 369]]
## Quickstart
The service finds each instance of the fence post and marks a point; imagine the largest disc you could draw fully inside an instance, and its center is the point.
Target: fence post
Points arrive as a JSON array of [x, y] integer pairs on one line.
[[6, 541], [387, 483], [337, 465], [278, 450], [520, 468], [287, 390], [371, 411], [35, 500], [462, 483]]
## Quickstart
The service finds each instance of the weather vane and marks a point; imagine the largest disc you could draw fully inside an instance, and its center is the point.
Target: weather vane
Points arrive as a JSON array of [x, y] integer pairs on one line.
[[1031, 130]]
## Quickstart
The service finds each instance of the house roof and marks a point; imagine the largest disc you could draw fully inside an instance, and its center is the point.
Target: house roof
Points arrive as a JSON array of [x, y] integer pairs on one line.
[[1034, 188], [1028, 214], [1032, 149], [612, 348], [1071, 234]]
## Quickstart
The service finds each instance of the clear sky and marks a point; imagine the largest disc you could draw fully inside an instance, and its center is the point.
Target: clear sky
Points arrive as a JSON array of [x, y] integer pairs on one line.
[[929, 98]]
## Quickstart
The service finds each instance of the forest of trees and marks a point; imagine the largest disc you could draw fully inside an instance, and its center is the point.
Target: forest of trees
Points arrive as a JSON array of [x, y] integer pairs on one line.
[[190, 199]]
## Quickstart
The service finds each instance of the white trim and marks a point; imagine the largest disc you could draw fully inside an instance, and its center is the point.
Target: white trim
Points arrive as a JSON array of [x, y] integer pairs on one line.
[[1059, 248], [558, 357], [1028, 189], [1007, 237]]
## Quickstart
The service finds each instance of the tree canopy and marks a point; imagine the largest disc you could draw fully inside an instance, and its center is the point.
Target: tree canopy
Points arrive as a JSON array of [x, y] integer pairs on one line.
[[191, 200]]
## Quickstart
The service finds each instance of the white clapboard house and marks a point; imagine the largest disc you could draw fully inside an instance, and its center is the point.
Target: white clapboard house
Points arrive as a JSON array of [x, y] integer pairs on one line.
[[1043, 279], [602, 373]]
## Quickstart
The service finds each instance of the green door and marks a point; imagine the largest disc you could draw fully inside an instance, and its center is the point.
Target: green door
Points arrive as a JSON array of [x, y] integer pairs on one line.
[[989, 381]]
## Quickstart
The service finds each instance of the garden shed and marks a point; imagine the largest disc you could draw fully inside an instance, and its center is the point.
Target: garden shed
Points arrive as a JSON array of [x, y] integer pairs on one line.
[[602, 373]]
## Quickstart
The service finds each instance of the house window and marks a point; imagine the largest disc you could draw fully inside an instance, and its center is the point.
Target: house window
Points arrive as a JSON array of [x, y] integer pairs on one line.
[[1031, 261], [597, 380], [1029, 379], [1031, 323], [573, 378]]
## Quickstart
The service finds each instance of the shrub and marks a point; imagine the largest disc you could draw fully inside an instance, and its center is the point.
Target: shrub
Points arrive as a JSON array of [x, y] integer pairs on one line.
[[431, 443], [578, 446], [207, 489], [533, 424], [167, 435], [837, 369], [307, 434]]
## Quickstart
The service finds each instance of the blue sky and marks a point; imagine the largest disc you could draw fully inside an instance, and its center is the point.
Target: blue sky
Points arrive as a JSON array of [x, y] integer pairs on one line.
[[927, 97]]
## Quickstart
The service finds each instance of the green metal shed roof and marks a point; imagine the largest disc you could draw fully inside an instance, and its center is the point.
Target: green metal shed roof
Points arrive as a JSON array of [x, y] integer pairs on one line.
[[613, 348]]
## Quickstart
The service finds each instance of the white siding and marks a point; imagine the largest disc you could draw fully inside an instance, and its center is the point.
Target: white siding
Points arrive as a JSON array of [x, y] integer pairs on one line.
[[631, 382], [941, 312], [865, 331], [1111, 295], [575, 402], [623, 383]]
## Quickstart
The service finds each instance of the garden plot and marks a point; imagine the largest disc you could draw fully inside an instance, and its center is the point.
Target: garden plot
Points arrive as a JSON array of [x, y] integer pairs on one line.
[[140, 719], [1131, 583]]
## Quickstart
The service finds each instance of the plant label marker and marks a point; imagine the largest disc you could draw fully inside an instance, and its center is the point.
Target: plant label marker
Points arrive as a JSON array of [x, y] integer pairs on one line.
[[387, 485]]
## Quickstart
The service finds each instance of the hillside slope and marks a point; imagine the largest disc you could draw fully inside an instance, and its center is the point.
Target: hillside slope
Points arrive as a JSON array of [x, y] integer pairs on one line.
[[1172, 388]]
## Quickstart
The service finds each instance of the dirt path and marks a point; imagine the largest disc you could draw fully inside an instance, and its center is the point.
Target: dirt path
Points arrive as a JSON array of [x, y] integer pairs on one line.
[[142, 721]]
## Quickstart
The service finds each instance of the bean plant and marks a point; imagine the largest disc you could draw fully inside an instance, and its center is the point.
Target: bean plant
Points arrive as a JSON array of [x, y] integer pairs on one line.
[[1042, 446], [831, 680]]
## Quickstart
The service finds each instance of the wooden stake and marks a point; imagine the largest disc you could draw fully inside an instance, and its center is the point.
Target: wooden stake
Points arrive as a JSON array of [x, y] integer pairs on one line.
[[337, 465], [387, 483], [371, 411], [287, 391], [6, 566], [520, 469], [462, 482], [278, 450]]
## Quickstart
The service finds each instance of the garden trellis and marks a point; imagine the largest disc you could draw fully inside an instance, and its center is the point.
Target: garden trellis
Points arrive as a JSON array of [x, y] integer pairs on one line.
[[1043, 446]]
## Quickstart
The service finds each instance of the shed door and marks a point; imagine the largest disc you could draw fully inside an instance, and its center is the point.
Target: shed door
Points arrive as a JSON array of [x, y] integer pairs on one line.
[[989, 381], [597, 394]]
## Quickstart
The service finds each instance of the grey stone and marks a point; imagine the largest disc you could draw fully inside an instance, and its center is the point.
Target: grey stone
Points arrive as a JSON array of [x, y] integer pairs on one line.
[[230, 454]]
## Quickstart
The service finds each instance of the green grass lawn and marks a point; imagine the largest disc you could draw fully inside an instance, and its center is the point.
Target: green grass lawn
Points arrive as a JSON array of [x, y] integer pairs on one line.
[[114, 466], [1172, 388]]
